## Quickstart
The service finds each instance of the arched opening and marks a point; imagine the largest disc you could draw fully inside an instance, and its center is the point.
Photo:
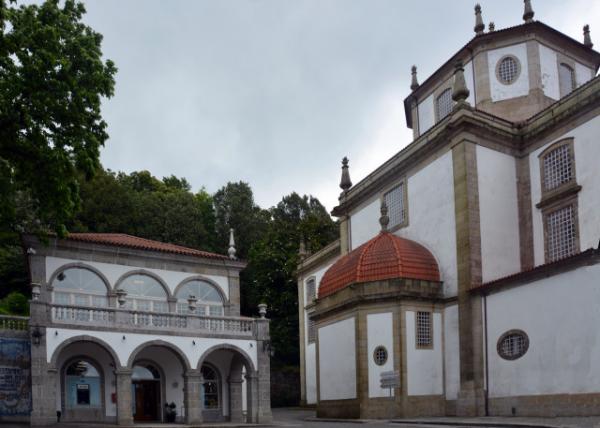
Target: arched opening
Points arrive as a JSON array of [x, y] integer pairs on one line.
[[209, 300], [157, 383], [228, 379], [146, 295], [79, 286], [85, 382]]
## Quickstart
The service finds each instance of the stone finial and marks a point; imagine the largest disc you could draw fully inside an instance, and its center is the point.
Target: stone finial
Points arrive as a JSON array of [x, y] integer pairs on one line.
[[528, 12], [231, 251], [192, 303], [492, 26], [587, 39], [414, 84], [460, 92], [479, 26], [302, 250], [384, 220], [345, 182], [262, 310]]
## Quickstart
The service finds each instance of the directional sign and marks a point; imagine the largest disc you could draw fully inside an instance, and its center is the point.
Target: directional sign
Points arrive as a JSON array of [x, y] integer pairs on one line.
[[390, 379]]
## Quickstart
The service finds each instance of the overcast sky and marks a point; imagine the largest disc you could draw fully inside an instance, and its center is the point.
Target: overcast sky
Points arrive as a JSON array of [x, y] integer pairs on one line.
[[276, 92]]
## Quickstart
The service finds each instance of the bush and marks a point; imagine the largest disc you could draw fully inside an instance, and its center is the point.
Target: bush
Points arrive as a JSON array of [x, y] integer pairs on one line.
[[14, 303]]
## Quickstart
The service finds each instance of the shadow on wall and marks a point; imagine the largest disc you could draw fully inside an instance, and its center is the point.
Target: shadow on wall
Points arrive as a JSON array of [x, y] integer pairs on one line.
[[285, 386]]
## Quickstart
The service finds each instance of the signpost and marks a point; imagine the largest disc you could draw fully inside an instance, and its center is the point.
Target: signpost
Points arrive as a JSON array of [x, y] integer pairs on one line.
[[390, 380]]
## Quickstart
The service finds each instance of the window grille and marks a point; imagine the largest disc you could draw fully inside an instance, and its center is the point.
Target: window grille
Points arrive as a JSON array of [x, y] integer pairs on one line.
[[394, 199], [513, 344], [444, 104], [561, 233], [380, 355], [508, 70], [424, 333], [558, 167], [311, 292], [566, 79], [312, 330]]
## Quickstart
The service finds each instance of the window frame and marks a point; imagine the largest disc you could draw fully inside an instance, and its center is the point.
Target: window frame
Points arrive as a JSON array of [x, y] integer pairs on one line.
[[421, 345], [437, 95], [311, 324], [375, 353], [569, 142], [517, 75], [562, 83], [311, 280], [572, 201], [402, 182], [499, 348]]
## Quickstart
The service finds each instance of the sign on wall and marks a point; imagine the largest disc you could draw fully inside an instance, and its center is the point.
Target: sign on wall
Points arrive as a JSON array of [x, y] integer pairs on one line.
[[15, 374]]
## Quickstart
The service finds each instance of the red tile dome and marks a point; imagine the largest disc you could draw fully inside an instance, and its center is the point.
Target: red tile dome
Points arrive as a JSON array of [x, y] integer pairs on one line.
[[386, 256]]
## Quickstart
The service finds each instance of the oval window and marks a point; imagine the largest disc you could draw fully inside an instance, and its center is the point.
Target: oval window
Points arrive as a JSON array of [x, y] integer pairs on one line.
[[508, 70], [513, 344], [380, 355]]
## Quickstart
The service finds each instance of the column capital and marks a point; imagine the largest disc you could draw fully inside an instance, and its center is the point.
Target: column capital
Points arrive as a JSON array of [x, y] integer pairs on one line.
[[123, 371]]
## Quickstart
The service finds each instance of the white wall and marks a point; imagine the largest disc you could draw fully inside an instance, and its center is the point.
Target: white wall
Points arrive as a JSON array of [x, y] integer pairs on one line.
[[587, 153], [424, 367], [317, 274], [451, 352], [560, 315], [364, 223], [519, 87], [498, 214], [549, 66], [310, 370], [380, 329], [337, 360], [113, 272], [426, 114], [124, 348], [583, 74]]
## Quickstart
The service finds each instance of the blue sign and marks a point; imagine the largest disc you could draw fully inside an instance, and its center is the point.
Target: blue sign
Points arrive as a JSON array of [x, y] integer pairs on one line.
[[15, 377]]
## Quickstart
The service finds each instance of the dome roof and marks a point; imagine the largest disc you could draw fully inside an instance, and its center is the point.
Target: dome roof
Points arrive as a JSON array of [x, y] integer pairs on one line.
[[386, 256]]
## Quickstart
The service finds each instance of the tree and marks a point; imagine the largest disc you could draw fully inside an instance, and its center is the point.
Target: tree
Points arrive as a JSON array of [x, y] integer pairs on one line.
[[52, 80]]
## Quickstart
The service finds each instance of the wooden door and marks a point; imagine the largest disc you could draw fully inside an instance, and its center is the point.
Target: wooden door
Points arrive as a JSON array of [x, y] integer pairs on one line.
[[147, 400]]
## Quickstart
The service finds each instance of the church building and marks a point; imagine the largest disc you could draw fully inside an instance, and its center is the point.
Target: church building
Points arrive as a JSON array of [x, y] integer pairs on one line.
[[466, 280]]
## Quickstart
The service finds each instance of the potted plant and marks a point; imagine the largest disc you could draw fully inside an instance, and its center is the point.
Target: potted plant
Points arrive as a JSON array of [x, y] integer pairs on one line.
[[170, 412]]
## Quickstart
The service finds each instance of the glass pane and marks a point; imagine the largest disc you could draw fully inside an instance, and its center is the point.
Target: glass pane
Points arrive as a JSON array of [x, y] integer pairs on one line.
[[143, 286], [82, 300], [82, 368], [79, 279], [62, 298], [203, 291], [144, 373], [215, 311]]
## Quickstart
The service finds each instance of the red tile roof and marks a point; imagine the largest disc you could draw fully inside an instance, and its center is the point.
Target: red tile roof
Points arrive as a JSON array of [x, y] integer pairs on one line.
[[386, 256], [128, 241]]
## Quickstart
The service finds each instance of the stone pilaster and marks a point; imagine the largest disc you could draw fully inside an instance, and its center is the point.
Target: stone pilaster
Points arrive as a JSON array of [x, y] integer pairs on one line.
[[252, 397], [234, 295], [264, 371], [344, 235], [192, 384], [236, 399], [124, 411], [43, 381]]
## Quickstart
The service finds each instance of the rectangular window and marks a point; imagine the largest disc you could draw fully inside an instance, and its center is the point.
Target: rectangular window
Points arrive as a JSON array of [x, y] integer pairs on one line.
[[83, 395], [394, 199], [561, 233], [444, 104], [312, 330], [558, 167], [311, 292], [424, 334]]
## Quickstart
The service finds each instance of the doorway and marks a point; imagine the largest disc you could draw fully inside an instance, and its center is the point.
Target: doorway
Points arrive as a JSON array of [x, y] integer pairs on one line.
[[145, 392]]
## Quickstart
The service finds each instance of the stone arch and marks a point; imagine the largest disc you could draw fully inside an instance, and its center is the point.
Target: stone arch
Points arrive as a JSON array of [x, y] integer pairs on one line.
[[201, 278], [63, 385], [224, 346], [82, 338], [183, 359], [147, 273], [81, 265]]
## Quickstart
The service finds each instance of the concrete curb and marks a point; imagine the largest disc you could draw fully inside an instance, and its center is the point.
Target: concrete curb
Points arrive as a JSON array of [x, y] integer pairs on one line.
[[475, 423], [345, 421]]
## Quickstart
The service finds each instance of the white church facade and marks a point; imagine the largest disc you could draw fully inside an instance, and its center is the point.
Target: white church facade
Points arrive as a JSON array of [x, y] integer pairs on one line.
[[124, 330], [468, 264]]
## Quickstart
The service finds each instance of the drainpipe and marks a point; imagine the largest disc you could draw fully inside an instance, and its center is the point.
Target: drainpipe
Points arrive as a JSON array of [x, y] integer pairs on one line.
[[487, 367]]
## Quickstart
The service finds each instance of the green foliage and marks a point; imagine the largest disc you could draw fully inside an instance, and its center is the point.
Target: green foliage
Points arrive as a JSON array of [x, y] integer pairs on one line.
[[52, 79], [14, 303]]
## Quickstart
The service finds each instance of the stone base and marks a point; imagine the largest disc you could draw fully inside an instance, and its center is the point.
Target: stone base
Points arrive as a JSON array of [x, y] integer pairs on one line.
[[470, 402], [546, 405], [339, 409]]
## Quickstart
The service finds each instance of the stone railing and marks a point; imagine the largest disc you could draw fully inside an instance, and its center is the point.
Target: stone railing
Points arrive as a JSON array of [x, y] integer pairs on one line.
[[13, 322], [134, 319]]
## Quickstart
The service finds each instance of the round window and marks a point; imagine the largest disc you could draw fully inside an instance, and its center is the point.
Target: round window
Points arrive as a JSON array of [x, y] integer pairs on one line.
[[513, 344], [380, 355], [508, 70]]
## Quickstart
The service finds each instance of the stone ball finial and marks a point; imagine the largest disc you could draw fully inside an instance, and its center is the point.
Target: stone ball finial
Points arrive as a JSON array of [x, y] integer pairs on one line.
[[460, 92], [479, 26], [345, 182], [528, 12], [414, 84], [384, 220], [587, 39], [492, 26]]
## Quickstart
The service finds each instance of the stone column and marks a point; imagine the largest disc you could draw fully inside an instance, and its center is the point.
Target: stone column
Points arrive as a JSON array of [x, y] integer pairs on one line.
[[124, 403], [264, 371], [192, 384], [252, 397], [44, 378], [236, 411]]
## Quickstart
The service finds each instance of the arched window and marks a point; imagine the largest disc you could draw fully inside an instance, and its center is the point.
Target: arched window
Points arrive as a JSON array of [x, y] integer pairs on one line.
[[83, 386], [145, 293], [444, 104], [209, 300], [145, 372], [79, 286], [210, 388], [566, 79]]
